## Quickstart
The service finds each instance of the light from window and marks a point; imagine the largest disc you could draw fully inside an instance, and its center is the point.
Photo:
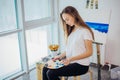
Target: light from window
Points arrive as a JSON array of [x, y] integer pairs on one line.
[[36, 9], [7, 15], [9, 55], [37, 43]]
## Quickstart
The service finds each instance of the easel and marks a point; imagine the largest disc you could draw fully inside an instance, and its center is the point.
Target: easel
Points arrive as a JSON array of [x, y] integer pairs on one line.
[[98, 59]]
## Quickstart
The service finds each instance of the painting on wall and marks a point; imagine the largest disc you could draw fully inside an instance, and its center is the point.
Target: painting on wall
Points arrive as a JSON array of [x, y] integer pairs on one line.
[[92, 4], [100, 31]]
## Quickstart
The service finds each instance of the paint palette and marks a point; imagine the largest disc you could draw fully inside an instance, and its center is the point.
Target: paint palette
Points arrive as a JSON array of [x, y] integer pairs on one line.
[[54, 64]]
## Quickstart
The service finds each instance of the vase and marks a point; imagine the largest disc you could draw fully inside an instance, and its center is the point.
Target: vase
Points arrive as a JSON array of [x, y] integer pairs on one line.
[[54, 53]]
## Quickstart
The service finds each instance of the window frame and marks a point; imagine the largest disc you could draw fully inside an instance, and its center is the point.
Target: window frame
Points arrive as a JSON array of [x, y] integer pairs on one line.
[[22, 26]]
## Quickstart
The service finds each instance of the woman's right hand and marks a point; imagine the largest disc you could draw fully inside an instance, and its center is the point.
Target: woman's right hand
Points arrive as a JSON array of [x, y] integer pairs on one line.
[[56, 58]]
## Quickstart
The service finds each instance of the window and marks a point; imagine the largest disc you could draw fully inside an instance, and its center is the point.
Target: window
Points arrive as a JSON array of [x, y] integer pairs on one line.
[[9, 55], [25, 33], [37, 9], [37, 43], [7, 15]]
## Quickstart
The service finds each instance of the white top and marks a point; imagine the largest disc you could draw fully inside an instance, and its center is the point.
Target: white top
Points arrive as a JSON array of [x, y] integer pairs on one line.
[[76, 46]]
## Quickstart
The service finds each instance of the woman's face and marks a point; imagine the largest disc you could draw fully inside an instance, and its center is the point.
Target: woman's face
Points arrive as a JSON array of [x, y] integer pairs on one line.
[[68, 19]]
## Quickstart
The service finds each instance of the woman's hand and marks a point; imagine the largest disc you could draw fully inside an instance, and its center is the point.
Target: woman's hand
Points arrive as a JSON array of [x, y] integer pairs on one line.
[[56, 58], [66, 61]]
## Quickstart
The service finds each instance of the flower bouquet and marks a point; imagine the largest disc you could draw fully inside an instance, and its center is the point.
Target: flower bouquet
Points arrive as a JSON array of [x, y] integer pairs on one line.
[[54, 49]]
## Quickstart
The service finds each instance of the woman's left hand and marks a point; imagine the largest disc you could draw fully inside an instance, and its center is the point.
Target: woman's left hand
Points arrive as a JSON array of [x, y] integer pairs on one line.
[[66, 61]]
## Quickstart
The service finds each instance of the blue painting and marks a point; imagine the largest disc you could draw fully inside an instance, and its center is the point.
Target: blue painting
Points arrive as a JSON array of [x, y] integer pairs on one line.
[[101, 27], [100, 31]]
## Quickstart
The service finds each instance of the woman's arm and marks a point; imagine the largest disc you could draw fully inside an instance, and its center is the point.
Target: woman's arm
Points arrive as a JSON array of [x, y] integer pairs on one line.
[[89, 51]]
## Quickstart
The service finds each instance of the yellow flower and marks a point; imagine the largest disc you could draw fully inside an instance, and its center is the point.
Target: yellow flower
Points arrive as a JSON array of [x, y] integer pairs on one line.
[[53, 47]]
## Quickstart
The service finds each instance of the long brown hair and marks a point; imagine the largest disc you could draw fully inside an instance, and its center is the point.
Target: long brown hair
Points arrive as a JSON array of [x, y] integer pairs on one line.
[[78, 20]]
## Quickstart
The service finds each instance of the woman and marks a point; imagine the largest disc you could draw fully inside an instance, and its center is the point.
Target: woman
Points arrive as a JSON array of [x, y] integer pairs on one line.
[[79, 39]]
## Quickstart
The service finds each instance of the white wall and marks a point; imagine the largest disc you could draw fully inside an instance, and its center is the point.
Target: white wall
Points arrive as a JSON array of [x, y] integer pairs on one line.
[[113, 40], [112, 45]]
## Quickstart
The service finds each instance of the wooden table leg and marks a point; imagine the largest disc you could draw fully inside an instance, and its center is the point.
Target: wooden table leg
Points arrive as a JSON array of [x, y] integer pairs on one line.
[[39, 67]]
